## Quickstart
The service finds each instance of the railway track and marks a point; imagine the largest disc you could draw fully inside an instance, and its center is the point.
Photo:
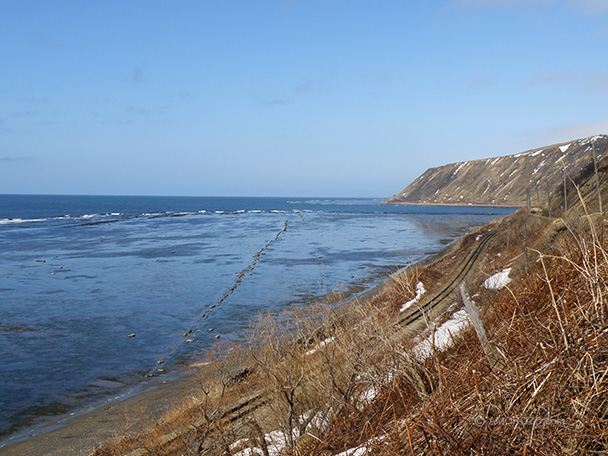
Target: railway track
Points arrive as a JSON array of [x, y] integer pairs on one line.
[[415, 313]]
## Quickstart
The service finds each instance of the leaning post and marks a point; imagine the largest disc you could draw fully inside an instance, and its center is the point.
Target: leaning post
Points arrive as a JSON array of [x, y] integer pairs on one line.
[[475, 317], [597, 180]]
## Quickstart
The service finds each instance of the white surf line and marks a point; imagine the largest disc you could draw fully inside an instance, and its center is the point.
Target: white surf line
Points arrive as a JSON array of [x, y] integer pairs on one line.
[[189, 335]]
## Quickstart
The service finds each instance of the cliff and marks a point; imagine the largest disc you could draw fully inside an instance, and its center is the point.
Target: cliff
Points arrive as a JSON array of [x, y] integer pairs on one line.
[[506, 180]]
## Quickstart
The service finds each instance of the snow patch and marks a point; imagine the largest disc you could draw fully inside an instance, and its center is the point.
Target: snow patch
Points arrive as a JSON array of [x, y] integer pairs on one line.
[[534, 154], [538, 167], [368, 395], [457, 169], [443, 335], [329, 340], [590, 139], [498, 281], [359, 451], [420, 290], [362, 450], [275, 440], [564, 148]]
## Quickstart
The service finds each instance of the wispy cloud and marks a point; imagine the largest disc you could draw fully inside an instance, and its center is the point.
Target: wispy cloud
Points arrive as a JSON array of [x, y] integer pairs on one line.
[[544, 77], [483, 82], [184, 96], [375, 81], [570, 132], [279, 101], [138, 74], [590, 81], [26, 113], [36, 101], [590, 6], [11, 159], [112, 122], [139, 110], [306, 86], [41, 41], [587, 6]]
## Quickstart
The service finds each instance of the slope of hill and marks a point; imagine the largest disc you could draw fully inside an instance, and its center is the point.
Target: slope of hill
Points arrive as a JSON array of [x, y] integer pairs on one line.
[[504, 180]]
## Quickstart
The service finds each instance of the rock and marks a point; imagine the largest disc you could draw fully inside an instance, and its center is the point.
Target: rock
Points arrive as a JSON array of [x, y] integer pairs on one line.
[[160, 371], [160, 361], [210, 329], [217, 337], [189, 341], [131, 335]]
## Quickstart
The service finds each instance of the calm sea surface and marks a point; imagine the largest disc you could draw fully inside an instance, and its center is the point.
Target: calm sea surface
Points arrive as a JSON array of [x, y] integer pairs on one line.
[[80, 274]]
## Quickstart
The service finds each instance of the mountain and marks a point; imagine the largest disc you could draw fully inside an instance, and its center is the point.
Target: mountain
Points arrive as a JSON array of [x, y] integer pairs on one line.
[[506, 180]]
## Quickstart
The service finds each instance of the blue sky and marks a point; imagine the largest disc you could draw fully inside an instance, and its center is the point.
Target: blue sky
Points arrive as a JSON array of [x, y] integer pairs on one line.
[[287, 98]]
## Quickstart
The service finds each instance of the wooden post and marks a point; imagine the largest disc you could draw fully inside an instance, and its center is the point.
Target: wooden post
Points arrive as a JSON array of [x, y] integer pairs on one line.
[[597, 180], [565, 191], [528, 199], [508, 234], [473, 314], [549, 201], [526, 249], [537, 197]]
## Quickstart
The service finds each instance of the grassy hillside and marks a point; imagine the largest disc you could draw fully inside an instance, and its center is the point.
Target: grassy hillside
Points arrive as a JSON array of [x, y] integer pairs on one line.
[[504, 180]]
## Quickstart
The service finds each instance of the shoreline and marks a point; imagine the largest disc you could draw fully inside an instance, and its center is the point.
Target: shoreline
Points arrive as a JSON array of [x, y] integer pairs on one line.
[[81, 431], [408, 203]]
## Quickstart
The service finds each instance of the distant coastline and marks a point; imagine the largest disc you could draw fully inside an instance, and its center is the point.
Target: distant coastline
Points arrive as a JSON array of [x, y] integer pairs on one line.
[[408, 203]]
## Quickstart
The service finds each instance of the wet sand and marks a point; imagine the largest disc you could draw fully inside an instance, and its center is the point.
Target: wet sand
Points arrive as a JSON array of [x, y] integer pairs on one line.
[[83, 433]]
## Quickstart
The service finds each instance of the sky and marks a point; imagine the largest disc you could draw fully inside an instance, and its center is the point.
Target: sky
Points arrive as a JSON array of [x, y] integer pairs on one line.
[[287, 98]]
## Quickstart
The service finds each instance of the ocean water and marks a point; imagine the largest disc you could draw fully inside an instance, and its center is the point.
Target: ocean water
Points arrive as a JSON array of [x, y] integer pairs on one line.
[[79, 275]]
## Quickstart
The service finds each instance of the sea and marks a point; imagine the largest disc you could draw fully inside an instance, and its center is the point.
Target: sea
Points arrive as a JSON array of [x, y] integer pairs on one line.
[[96, 290]]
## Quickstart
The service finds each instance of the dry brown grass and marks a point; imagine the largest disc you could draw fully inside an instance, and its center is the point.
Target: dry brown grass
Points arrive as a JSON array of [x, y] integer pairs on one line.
[[551, 395]]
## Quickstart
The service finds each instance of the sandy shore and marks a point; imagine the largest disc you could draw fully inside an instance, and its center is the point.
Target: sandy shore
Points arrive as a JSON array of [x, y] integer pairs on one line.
[[83, 433]]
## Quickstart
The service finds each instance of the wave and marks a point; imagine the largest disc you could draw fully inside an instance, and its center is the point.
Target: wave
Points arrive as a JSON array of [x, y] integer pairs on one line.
[[111, 217], [339, 202], [17, 220]]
